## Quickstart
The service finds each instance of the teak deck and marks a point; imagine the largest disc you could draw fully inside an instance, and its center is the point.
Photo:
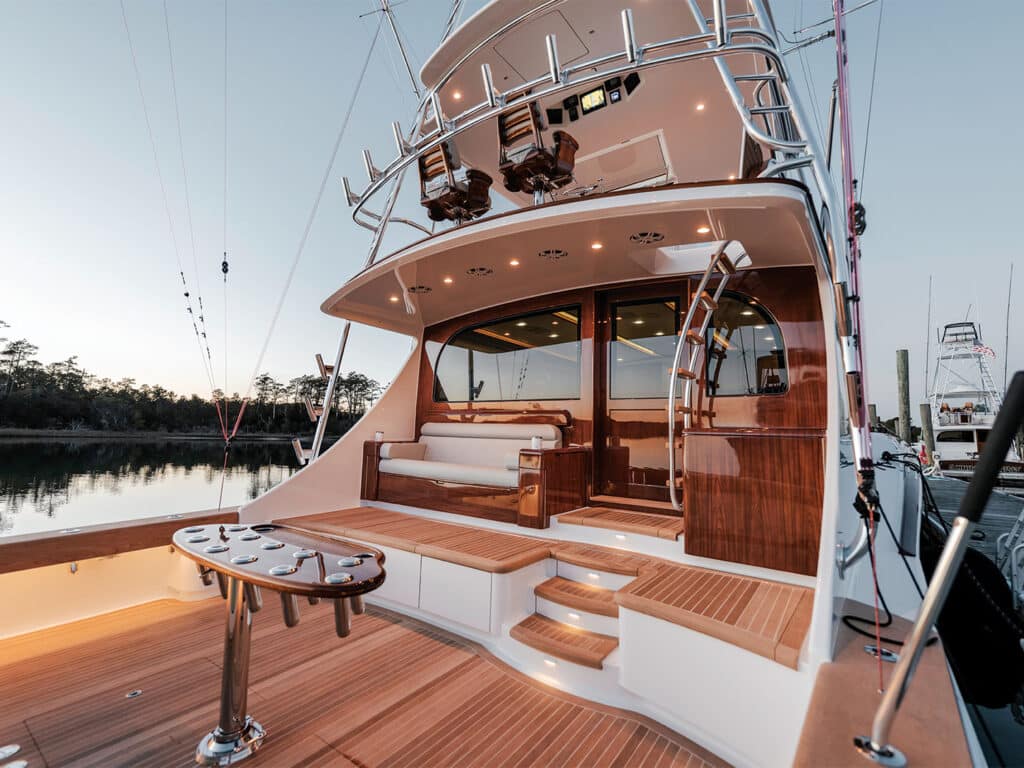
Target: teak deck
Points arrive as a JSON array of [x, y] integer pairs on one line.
[[396, 692], [645, 523]]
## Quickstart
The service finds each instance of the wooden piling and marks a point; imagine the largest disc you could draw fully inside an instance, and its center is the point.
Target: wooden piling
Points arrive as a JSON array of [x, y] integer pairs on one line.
[[927, 433], [903, 390], [872, 415]]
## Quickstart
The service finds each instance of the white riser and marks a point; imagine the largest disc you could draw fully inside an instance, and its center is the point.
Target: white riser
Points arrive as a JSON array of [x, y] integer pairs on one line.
[[592, 622], [583, 575]]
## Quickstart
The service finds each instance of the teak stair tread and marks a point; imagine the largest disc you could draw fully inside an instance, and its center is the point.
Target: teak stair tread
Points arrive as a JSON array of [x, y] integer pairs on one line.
[[484, 550], [768, 618], [603, 559], [569, 643], [645, 523], [583, 597]]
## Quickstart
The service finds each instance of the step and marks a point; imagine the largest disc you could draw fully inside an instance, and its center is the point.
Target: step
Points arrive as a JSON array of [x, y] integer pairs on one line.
[[645, 523], [602, 559], [582, 597], [579, 646], [635, 505]]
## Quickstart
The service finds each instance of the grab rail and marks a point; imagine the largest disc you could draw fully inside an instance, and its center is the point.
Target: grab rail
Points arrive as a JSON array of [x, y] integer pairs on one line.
[[1011, 417]]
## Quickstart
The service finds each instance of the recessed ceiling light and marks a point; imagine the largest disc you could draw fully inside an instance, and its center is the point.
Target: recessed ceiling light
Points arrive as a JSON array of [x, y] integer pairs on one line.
[[596, 246], [513, 262], [393, 299], [700, 106], [703, 229], [507, 333], [638, 322], [457, 95], [448, 281], [618, 317], [552, 335], [521, 324], [554, 322], [732, 177], [747, 313], [758, 327], [659, 333], [618, 359]]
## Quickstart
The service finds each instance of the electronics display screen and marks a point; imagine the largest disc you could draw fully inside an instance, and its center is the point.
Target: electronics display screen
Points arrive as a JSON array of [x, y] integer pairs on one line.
[[592, 100]]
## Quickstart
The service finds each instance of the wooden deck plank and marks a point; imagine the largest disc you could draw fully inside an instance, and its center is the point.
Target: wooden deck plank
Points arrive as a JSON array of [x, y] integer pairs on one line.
[[603, 558], [395, 692], [582, 597]]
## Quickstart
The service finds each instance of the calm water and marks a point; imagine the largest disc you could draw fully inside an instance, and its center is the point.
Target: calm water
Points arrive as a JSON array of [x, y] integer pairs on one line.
[[53, 484]]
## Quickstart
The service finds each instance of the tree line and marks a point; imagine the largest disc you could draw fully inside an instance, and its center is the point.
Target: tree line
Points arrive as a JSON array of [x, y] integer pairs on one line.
[[63, 395]]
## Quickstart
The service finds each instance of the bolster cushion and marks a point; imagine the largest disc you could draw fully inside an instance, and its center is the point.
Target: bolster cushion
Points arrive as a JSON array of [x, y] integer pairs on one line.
[[467, 474]]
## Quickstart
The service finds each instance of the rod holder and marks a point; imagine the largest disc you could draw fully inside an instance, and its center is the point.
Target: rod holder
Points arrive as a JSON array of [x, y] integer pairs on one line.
[[290, 609], [253, 597], [400, 142], [342, 617], [554, 67], [350, 197], [629, 36], [488, 78], [721, 24], [302, 454], [371, 170], [313, 411]]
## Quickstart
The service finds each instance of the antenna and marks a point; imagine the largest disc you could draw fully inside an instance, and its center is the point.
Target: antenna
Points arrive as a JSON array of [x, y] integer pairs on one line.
[[928, 338], [1006, 347]]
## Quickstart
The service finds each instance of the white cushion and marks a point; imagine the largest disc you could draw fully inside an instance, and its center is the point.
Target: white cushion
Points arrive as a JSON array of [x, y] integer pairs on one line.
[[402, 451], [468, 474], [484, 444]]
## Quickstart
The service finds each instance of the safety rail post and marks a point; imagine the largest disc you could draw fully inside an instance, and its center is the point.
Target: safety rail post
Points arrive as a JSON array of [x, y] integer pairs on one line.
[[972, 506]]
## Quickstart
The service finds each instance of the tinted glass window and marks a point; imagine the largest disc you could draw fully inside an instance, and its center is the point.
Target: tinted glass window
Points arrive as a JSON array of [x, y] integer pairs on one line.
[[528, 357], [955, 436], [744, 353], [643, 345]]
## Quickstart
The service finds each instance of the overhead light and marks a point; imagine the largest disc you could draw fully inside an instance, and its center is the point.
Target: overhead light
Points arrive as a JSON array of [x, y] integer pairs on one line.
[[618, 359], [747, 313], [758, 327], [457, 95], [732, 177], [521, 324], [618, 317], [513, 262], [659, 333], [703, 229], [393, 299], [507, 333], [554, 322], [552, 335], [448, 281], [596, 246], [700, 106], [638, 322]]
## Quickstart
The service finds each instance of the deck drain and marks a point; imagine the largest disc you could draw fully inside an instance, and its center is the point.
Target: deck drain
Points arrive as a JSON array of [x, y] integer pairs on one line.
[[886, 654], [133, 694]]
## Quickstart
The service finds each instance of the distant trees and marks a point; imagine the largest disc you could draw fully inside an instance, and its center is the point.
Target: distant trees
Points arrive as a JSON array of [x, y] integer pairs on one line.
[[62, 395]]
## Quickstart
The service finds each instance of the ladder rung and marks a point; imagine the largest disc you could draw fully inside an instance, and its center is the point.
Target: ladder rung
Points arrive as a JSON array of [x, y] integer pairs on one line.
[[302, 454], [725, 265], [325, 369], [708, 414], [707, 301], [679, 482], [693, 337], [685, 373], [682, 410], [313, 411]]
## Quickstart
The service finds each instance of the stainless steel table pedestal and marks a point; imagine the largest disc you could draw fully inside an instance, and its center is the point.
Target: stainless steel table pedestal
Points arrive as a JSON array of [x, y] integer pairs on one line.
[[237, 735]]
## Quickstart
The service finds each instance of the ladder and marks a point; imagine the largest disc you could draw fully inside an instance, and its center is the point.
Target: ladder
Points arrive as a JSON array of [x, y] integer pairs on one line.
[[320, 413], [706, 301]]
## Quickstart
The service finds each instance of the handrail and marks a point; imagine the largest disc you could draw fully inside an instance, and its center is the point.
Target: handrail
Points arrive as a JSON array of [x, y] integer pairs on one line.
[[559, 80], [972, 507]]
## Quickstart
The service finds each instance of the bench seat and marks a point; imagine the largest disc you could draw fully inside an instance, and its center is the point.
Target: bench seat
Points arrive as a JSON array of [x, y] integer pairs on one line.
[[449, 472]]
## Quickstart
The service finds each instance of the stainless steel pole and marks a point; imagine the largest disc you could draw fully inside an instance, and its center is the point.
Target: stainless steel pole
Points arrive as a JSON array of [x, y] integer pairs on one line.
[[332, 383]]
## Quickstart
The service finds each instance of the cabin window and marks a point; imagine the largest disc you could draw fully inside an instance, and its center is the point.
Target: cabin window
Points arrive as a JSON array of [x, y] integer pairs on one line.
[[527, 357], [642, 348], [744, 353], [955, 436]]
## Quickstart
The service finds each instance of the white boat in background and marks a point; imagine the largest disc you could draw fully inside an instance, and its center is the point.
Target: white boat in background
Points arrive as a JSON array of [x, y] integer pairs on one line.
[[964, 403]]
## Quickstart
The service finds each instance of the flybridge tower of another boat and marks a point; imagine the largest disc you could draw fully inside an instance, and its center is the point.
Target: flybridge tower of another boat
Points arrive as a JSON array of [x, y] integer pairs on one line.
[[964, 394]]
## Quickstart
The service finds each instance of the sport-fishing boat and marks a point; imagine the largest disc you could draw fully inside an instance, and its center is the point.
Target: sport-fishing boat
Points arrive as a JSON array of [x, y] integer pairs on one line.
[[964, 404], [621, 505]]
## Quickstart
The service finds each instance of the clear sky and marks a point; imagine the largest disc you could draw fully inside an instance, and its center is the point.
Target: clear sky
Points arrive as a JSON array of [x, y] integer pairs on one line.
[[87, 265]]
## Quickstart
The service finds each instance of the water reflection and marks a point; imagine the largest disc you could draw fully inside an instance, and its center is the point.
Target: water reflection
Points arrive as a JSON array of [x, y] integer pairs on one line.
[[54, 484]]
